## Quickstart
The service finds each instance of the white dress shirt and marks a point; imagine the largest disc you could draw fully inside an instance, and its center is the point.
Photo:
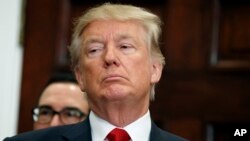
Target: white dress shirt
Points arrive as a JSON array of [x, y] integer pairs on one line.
[[139, 130]]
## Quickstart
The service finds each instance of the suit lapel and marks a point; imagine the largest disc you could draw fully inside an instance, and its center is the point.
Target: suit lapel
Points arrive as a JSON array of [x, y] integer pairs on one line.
[[155, 133], [79, 132]]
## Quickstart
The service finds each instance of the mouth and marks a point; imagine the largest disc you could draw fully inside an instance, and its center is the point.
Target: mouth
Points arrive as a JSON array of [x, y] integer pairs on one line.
[[113, 77]]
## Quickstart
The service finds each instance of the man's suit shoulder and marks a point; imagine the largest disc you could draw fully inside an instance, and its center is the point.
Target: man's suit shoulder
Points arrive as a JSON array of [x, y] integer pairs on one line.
[[53, 133], [171, 137], [158, 134], [74, 132]]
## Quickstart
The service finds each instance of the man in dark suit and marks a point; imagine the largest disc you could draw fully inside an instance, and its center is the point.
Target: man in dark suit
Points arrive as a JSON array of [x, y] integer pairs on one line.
[[82, 132], [117, 62], [61, 102]]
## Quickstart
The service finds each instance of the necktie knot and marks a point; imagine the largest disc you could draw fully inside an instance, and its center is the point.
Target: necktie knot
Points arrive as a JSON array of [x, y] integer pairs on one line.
[[118, 135]]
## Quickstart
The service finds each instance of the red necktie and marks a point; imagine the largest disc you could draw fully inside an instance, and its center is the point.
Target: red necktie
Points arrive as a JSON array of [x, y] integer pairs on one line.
[[118, 135]]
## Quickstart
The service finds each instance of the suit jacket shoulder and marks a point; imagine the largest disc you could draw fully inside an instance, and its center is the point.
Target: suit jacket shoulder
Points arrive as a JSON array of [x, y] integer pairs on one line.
[[158, 134], [75, 132]]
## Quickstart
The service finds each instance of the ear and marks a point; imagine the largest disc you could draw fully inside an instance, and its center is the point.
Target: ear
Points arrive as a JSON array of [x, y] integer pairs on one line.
[[156, 72], [78, 74]]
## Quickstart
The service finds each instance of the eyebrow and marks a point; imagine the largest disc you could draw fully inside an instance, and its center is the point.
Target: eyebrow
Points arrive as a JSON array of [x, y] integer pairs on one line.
[[123, 36], [48, 106], [117, 38], [92, 39]]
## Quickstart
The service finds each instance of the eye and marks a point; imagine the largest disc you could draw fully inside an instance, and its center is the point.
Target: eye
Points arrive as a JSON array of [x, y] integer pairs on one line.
[[127, 48], [95, 49], [72, 113], [124, 46], [44, 111]]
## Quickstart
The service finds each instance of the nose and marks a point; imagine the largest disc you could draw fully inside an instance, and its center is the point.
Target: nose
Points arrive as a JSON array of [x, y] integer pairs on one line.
[[55, 121], [111, 56]]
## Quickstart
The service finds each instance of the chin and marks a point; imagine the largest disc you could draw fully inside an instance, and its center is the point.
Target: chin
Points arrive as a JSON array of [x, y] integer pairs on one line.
[[116, 97], [116, 94]]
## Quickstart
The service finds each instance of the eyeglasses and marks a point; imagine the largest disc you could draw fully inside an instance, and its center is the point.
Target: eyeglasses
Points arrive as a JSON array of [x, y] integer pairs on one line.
[[69, 115]]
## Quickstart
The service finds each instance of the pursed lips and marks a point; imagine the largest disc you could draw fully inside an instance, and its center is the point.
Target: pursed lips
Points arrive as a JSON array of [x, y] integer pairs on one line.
[[113, 77]]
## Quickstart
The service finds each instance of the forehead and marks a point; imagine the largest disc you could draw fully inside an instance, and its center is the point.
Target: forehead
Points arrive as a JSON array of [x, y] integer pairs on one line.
[[61, 93], [106, 29]]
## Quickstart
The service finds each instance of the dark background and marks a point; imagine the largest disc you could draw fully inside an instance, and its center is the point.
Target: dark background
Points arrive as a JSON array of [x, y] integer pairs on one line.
[[205, 88]]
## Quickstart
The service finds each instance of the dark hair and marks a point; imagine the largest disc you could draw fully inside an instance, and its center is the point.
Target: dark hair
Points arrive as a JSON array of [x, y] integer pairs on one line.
[[58, 77], [61, 77]]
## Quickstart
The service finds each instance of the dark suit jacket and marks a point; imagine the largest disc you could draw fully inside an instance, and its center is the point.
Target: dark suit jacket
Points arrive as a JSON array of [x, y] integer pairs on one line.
[[81, 132]]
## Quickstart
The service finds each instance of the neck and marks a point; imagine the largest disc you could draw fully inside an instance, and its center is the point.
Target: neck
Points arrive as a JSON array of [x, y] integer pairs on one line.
[[119, 113]]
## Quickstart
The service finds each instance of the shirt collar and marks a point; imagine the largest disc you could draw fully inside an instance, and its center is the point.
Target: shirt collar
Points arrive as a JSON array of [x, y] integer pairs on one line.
[[138, 130]]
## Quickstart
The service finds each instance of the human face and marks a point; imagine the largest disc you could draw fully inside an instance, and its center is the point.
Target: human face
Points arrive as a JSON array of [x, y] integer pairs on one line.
[[115, 63], [60, 96]]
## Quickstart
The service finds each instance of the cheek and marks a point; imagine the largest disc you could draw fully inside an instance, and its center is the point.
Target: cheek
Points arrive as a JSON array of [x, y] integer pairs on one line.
[[91, 73], [140, 69], [40, 126]]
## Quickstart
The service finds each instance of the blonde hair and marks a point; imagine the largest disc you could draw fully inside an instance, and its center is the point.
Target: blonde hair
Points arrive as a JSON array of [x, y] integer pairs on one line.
[[108, 11]]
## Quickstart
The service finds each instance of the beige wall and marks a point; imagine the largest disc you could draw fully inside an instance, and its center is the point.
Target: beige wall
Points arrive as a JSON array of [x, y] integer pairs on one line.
[[10, 66]]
